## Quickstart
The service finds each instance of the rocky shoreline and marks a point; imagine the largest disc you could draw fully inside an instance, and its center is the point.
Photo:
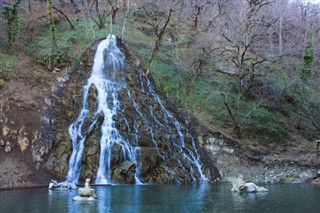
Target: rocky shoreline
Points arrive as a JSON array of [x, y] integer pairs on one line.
[[254, 166], [19, 187]]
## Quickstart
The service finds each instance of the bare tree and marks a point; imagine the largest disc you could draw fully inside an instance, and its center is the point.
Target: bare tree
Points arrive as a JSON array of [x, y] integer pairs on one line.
[[114, 8], [243, 34], [294, 20], [240, 49], [158, 15], [200, 34], [65, 16], [201, 14], [99, 11], [198, 7]]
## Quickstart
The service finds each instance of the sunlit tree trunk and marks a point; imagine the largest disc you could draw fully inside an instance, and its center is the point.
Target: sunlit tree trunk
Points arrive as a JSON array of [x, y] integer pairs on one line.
[[280, 35]]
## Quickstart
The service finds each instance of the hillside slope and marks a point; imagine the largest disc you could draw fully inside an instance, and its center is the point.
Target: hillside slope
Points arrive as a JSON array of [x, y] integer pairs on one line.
[[278, 115], [23, 100]]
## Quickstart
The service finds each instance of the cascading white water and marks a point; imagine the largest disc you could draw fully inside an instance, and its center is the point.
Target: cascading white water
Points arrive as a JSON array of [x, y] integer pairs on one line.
[[108, 63], [191, 156], [108, 79]]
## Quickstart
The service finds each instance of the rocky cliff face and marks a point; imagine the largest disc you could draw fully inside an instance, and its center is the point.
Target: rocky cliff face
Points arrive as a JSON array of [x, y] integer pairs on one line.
[[141, 120]]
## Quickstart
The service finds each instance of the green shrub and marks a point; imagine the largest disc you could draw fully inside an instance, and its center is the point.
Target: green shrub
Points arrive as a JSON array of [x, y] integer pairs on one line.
[[293, 176], [265, 125], [166, 78], [298, 105], [307, 58], [11, 16], [8, 65], [2, 82], [42, 51]]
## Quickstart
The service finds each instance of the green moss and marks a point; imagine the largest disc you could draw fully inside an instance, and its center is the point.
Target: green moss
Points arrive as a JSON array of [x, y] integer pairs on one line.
[[295, 176]]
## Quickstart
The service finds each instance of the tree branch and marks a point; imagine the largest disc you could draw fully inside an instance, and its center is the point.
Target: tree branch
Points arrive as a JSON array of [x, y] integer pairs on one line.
[[66, 17]]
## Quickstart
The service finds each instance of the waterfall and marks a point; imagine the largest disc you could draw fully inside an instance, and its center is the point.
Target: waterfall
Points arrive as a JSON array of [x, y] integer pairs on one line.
[[108, 78], [108, 63]]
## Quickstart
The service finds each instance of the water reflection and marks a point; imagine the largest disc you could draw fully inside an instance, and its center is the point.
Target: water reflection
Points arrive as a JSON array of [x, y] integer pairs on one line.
[[165, 198], [240, 198]]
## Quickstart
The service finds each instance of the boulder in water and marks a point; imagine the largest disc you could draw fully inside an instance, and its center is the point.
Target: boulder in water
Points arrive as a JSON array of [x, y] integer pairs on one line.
[[238, 185], [251, 187], [86, 193]]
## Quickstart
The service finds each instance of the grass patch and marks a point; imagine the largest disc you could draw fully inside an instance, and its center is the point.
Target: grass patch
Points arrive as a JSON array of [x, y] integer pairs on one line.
[[203, 96], [8, 66], [294, 176]]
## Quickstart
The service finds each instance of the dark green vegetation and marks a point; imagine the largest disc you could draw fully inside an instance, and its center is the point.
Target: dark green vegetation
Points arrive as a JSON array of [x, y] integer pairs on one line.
[[11, 16], [253, 74]]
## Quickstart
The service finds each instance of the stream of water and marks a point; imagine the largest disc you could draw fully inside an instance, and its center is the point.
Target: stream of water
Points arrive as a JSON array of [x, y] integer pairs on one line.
[[204, 197]]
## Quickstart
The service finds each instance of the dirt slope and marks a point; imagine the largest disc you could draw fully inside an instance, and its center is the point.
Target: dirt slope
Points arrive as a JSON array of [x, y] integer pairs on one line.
[[21, 101]]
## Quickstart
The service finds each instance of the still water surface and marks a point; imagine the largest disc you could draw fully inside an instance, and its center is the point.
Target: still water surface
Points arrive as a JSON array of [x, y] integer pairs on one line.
[[166, 198]]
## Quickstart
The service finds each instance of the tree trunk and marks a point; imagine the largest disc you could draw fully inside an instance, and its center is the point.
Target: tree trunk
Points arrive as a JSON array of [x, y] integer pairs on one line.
[[66, 17], [158, 42], [280, 35], [53, 33], [236, 127], [127, 5], [196, 17]]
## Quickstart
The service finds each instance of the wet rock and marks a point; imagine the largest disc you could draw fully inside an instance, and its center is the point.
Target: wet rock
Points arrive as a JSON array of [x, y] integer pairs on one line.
[[5, 131], [86, 193], [164, 174], [23, 143], [148, 160], [60, 151], [48, 101], [7, 148], [61, 185], [62, 166], [50, 162], [229, 150], [247, 187], [305, 175], [125, 173]]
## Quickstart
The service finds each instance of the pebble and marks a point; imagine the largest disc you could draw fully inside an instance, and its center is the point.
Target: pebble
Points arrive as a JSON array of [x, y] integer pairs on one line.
[[7, 149]]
